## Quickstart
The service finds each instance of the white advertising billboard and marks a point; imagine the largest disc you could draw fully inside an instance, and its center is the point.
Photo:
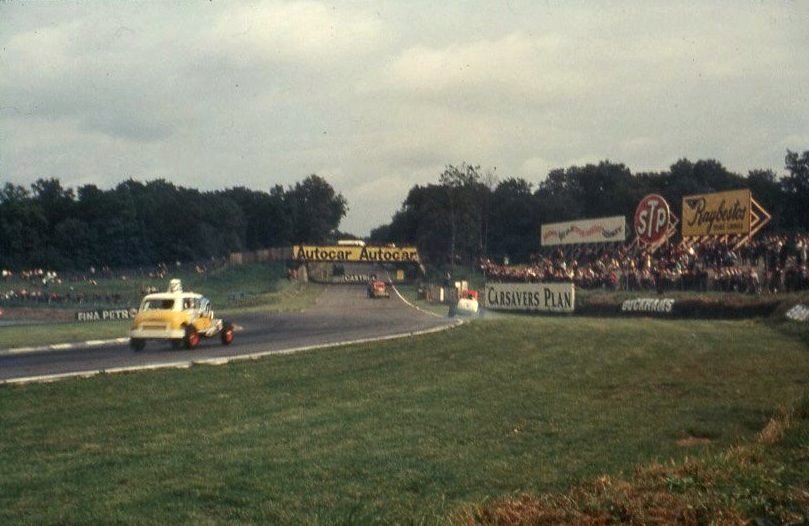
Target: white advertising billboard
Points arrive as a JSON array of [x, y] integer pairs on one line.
[[598, 230], [531, 297]]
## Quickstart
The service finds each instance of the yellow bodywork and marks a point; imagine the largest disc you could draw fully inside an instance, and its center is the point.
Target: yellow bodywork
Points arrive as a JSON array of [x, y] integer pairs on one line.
[[169, 319]]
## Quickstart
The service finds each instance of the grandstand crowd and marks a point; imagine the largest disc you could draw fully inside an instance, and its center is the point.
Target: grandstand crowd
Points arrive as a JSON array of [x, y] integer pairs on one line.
[[40, 286], [770, 264]]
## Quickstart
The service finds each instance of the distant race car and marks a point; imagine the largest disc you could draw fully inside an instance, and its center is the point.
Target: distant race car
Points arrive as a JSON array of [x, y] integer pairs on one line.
[[378, 289], [182, 318], [467, 304]]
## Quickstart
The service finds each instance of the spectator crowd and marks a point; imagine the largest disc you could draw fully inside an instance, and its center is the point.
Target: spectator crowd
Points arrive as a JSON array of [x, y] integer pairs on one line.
[[769, 264], [40, 286]]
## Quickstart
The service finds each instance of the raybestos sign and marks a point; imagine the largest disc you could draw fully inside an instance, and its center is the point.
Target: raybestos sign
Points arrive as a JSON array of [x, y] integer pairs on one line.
[[717, 214], [348, 254], [531, 297], [598, 230]]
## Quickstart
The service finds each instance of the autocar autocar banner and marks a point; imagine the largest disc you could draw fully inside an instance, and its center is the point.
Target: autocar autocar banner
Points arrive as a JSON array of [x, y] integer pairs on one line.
[[716, 214], [598, 230], [531, 297], [352, 254]]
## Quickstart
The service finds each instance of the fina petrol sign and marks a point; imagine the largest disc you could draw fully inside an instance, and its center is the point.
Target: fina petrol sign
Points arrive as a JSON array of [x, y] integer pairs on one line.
[[106, 314], [351, 254], [530, 297], [652, 219], [716, 214]]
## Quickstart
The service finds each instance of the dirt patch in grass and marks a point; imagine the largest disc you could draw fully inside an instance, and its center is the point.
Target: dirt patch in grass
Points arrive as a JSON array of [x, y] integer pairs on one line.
[[691, 441]]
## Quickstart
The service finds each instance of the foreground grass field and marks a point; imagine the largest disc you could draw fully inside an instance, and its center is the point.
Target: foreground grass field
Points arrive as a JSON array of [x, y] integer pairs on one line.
[[413, 431]]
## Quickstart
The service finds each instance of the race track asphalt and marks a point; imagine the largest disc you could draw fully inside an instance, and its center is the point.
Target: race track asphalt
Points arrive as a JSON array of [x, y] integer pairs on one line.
[[343, 313]]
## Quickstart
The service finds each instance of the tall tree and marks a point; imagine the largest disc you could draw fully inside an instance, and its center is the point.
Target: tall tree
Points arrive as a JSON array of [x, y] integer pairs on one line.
[[514, 230], [316, 209], [557, 198], [57, 205], [766, 189], [466, 199], [796, 188], [23, 227], [704, 176], [57, 202]]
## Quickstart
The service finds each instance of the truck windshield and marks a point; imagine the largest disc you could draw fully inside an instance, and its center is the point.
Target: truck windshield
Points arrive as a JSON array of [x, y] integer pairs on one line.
[[157, 305]]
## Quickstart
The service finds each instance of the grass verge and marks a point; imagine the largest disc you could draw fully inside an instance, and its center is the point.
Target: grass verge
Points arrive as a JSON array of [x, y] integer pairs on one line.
[[763, 481], [38, 335], [409, 431]]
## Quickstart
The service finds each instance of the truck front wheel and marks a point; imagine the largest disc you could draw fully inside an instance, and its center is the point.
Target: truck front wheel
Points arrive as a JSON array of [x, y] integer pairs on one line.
[[227, 333], [191, 339]]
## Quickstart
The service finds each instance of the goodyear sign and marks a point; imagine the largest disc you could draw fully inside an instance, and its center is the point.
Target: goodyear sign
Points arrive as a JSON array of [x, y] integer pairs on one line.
[[346, 254], [716, 214]]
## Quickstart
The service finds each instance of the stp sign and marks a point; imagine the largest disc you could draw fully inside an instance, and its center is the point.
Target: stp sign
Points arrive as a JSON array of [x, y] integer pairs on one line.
[[652, 219]]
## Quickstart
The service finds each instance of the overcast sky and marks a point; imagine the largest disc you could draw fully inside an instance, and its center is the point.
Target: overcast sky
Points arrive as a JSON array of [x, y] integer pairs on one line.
[[377, 96]]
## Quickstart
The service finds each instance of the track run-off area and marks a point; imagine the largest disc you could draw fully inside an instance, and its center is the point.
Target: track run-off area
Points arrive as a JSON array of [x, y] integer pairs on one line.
[[343, 314]]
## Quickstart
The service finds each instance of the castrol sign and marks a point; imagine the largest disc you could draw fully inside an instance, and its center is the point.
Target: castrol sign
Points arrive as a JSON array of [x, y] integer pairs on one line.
[[652, 218]]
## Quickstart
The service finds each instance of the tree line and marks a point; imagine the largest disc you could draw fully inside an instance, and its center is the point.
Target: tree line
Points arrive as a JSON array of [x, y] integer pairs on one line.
[[467, 214], [470, 213], [135, 223]]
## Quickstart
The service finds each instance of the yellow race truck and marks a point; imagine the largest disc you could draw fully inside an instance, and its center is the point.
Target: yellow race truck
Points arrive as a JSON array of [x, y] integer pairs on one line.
[[182, 318]]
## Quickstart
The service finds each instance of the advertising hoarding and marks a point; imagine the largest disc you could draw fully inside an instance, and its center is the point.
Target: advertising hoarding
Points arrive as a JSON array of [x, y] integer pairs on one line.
[[530, 297], [648, 305], [598, 230], [716, 214], [653, 220], [106, 314], [354, 254]]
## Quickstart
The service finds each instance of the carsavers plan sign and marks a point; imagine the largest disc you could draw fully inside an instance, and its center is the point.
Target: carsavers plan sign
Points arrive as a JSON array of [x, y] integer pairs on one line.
[[347, 254], [530, 297]]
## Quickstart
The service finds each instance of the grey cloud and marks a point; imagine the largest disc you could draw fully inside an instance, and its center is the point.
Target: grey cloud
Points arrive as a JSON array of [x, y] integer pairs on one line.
[[377, 96]]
